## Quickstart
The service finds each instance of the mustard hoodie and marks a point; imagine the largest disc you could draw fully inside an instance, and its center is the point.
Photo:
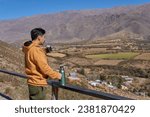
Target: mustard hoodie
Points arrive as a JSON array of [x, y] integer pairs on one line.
[[36, 65]]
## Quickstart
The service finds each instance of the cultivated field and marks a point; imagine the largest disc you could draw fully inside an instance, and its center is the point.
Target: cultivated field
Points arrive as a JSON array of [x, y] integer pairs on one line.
[[107, 62], [143, 56], [120, 55]]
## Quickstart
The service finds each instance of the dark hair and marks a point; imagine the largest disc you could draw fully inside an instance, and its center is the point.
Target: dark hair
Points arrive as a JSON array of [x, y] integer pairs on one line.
[[37, 32]]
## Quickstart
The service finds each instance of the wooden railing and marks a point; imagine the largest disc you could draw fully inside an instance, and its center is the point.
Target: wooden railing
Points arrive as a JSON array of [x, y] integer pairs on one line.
[[56, 85]]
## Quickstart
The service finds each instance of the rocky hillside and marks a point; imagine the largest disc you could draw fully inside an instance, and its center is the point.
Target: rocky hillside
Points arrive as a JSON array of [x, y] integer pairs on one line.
[[10, 57], [79, 25]]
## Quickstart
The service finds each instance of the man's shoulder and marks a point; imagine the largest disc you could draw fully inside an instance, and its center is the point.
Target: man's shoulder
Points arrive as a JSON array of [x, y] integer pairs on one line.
[[36, 49]]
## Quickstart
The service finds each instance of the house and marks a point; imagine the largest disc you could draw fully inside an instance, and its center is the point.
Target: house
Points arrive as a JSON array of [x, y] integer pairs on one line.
[[99, 81], [104, 83], [111, 86], [129, 79], [124, 77], [126, 83], [93, 83], [124, 87], [117, 48]]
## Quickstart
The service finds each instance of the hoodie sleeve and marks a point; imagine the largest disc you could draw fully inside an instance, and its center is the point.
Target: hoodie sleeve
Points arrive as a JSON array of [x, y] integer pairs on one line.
[[40, 60]]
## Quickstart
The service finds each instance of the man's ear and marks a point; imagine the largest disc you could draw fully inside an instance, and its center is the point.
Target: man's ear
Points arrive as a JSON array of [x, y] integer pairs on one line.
[[39, 37]]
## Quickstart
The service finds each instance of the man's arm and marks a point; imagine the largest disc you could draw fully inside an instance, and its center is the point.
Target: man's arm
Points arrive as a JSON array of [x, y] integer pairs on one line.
[[41, 61]]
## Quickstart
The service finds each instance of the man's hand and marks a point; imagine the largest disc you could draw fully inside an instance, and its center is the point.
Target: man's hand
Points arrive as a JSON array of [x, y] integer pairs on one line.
[[60, 76]]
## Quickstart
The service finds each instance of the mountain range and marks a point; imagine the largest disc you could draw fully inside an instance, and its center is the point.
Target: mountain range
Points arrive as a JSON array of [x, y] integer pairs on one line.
[[78, 25]]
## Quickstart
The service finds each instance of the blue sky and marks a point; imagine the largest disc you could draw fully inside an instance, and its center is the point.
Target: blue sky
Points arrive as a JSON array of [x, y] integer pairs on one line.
[[12, 9]]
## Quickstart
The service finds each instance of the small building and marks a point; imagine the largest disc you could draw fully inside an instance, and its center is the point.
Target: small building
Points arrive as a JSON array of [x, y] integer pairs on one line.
[[124, 87], [117, 48], [129, 79], [99, 81], [126, 83], [124, 77], [93, 83], [111, 86], [104, 83]]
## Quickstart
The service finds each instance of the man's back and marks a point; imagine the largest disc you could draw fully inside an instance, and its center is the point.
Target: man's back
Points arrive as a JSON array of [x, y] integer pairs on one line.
[[36, 66]]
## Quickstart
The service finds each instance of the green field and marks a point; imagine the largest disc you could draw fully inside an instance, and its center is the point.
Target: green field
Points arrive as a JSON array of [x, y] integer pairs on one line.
[[121, 55]]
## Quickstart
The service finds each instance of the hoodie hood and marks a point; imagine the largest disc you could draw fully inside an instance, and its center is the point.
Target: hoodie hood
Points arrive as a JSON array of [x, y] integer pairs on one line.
[[28, 45]]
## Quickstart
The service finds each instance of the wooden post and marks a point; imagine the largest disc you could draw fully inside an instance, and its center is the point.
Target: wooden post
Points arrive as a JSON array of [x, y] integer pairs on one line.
[[54, 92]]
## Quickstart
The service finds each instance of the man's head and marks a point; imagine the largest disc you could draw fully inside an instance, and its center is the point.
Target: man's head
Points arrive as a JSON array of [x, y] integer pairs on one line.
[[37, 34]]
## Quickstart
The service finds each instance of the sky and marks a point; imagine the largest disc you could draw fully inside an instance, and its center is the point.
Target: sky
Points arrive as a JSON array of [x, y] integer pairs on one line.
[[13, 9]]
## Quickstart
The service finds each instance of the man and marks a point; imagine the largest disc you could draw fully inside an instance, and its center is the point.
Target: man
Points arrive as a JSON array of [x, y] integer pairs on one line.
[[36, 65]]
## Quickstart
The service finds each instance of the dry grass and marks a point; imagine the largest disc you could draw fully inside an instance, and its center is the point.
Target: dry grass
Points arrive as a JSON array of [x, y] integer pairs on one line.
[[142, 64], [120, 55], [80, 61], [104, 44], [108, 62], [13, 87], [94, 50], [143, 56]]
